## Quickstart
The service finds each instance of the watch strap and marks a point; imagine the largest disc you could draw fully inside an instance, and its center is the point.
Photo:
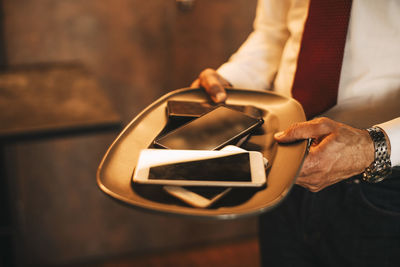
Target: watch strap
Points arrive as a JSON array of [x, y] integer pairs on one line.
[[381, 167]]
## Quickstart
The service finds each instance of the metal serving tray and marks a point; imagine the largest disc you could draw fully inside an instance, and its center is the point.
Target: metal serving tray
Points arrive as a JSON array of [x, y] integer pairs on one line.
[[114, 175]]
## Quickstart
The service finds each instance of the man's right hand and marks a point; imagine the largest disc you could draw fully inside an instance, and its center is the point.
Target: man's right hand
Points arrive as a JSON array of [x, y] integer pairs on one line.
[[213, 83]]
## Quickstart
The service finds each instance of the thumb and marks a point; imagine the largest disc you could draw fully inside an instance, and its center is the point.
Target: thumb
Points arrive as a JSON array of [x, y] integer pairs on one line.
[[215, 89], [310, 129], [214, 85]]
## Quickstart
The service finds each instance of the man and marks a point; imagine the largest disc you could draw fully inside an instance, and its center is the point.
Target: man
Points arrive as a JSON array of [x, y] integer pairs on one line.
[[342, 212]]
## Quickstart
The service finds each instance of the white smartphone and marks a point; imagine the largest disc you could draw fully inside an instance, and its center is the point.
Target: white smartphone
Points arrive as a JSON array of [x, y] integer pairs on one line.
[[200, 168], [203, 197]]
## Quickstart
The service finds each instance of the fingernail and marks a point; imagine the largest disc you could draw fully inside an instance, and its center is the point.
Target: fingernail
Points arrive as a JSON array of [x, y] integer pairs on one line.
[[219, 97], [278, 134]]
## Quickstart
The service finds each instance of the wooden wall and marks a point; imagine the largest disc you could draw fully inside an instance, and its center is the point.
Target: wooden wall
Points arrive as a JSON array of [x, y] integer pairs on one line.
[[138, 50]]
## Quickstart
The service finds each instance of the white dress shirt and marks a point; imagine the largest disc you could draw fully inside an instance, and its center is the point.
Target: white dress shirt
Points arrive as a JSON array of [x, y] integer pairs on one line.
[[369, 87]]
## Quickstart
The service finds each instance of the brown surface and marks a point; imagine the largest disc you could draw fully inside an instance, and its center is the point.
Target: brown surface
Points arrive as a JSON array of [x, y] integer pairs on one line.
[[63, 218], [45, 99], [234, 254], [137, 50]]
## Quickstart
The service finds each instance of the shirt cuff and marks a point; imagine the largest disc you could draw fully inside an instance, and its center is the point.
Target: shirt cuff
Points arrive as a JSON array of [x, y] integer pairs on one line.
[[392, 130]]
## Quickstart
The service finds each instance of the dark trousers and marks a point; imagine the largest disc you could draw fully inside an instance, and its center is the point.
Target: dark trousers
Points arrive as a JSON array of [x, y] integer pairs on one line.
[[347, 224]]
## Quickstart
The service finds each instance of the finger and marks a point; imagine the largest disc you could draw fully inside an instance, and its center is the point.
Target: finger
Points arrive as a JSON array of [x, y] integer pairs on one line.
[[310, 187], [213, 86], [215, 89], [306, 186], [195, 84], [310, 129], [225, 83]]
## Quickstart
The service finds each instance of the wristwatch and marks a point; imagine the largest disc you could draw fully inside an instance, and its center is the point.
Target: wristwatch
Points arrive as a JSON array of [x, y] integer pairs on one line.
[[381, 167]]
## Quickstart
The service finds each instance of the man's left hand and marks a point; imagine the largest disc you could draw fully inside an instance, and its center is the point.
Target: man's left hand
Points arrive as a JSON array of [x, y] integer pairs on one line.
[[338, 151]]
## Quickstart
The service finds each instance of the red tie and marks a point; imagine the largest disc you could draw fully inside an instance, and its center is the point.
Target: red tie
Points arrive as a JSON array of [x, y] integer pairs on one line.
[[319, 63]]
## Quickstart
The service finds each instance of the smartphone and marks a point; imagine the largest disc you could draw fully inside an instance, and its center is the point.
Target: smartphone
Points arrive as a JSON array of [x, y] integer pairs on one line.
[[213, 130], [190, 109], [200, 197], [200, 168], [203, 197], [187, 109]]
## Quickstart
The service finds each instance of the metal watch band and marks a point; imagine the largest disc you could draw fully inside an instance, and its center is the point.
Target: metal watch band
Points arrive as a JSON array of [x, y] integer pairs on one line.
[[381, 167]]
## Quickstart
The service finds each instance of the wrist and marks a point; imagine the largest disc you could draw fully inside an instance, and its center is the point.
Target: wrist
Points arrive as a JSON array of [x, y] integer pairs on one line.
[[369, 151]]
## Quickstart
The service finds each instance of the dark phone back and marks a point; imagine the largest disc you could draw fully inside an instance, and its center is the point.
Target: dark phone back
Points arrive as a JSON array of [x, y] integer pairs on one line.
[[179, 110], [213, 130]]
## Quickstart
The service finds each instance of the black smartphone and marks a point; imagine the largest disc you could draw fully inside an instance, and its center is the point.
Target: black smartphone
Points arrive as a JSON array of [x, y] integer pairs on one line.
[[211, 131], [177, 109]]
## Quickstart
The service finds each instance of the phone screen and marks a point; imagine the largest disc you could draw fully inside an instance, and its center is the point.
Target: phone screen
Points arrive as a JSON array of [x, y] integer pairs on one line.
[[234, 168], [211, 131]]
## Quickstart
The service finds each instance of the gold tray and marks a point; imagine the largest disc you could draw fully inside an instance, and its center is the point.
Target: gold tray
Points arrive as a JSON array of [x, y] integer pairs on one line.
[[114, 175]]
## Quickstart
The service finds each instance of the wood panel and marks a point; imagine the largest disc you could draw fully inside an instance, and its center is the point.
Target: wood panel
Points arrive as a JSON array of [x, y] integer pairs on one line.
[[138, 51]]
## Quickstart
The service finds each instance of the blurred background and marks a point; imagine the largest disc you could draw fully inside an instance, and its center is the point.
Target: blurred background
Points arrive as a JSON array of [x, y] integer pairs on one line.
[[73, 73]]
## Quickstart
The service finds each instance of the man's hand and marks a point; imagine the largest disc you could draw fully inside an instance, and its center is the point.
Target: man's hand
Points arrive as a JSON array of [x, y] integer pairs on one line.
[[338, 151], [213, 83]]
